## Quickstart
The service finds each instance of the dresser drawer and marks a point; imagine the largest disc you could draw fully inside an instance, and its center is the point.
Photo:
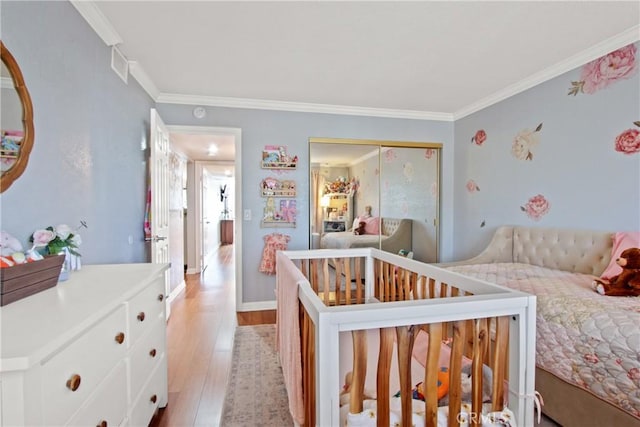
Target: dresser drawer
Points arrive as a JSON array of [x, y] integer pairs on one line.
[[146, 354], [153, 395], [108, 404], [70, 376], [144, 308]]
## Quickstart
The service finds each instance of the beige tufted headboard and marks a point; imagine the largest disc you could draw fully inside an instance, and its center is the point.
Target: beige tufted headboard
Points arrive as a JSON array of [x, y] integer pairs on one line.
[[580, 251]]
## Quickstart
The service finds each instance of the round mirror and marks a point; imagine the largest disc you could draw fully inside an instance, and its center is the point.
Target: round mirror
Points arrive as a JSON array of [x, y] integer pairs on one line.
[[16, 114]]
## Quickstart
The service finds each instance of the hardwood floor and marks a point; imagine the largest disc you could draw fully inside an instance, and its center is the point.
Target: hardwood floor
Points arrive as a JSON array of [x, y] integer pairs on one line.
[[199, 344]]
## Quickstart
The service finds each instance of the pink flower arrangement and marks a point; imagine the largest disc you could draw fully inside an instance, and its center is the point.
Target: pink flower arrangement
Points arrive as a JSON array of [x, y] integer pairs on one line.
[[628, 142], [472, 186], [600, 73], [480, 137], [536, 207]]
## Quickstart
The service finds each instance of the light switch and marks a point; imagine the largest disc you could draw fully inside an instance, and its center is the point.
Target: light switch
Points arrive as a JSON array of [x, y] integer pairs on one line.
[[247, 214]]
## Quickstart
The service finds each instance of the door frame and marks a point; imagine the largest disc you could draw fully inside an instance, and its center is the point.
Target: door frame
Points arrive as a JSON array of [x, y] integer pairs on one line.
[[197, 208]]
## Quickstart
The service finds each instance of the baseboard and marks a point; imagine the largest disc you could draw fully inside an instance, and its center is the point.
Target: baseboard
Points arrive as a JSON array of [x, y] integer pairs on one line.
[[192, 271], [176, 291], [256, 306]]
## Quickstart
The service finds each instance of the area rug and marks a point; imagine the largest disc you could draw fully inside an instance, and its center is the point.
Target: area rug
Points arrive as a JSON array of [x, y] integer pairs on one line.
[[256, 395]]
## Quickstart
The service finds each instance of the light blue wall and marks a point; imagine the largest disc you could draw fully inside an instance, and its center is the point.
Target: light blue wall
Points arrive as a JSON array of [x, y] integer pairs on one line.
[[293, 130], [87, 162], [575, 167]]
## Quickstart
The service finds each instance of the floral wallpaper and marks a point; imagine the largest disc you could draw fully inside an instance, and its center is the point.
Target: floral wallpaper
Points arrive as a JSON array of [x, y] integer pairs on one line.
[[547, 159]]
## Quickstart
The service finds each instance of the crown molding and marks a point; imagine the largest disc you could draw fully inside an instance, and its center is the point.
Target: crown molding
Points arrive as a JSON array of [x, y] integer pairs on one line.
[[259, 104], [631, 35], [96, 19], [143, 78]]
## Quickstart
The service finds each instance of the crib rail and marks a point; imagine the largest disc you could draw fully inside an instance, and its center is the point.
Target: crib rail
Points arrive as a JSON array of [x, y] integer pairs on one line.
[[399, 297]]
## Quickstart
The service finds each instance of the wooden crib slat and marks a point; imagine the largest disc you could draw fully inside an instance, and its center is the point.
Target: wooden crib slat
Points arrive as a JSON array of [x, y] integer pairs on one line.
[[347, 281], [308, 371], [338, 263], [499, 363], [480, 344], [325, 280], [423, 287], [405, 336], [432, 287], [356, 394], [430, 383], [383, 375], [314, 275], [455, 369]]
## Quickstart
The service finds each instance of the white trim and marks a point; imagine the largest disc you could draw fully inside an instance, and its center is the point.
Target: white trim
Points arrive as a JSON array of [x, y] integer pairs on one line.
[[192, 271], [631, 35], [256, 306], [96, 19], [260, 104], [176, 291], [143, 79]]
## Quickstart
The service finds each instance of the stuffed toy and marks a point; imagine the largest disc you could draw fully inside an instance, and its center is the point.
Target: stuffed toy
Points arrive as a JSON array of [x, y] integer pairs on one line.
[[626, 283], [487, 381], [360, 230], [9, 244], [346, 390]]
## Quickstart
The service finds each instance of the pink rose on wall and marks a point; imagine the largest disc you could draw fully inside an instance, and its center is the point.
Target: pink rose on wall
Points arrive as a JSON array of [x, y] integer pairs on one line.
[[472, 187], [390, 155], [536, 207], [428, 153], [479, 137], [628, 142], [600, 73], [524, 142]]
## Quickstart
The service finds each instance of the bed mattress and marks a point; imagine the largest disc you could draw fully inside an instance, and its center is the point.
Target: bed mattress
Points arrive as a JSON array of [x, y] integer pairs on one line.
[[346, 240], [584, 338]]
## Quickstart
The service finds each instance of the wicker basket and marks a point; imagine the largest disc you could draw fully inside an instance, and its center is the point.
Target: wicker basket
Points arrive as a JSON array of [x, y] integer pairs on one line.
[[23, 280]]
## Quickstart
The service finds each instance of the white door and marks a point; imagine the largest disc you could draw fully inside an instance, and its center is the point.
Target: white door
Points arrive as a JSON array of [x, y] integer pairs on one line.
[[159, 164]]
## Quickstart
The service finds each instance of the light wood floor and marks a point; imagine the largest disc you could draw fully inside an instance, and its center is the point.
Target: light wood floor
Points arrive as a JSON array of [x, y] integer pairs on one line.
[[199, 344]]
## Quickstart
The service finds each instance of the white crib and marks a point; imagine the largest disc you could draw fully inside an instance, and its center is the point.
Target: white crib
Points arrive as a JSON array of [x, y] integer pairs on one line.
[[320, 298]]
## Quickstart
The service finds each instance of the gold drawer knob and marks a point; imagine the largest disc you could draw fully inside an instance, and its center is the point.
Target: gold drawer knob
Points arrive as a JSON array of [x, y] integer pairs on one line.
[[152, 353], [141, 316], [120, 337], [154, 399], [103, 423], [74, 382], [160, 297]]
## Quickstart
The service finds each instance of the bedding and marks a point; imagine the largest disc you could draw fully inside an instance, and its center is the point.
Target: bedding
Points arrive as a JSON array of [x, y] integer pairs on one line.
[[584, 338], [395, 235]]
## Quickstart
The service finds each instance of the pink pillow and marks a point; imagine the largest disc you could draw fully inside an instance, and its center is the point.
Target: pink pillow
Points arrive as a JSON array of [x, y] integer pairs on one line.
[[621, 241], [372, 225]]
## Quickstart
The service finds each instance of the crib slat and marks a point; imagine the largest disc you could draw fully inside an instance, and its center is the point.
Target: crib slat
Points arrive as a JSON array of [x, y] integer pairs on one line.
[[347, 281], [480, 343], [356, 394], [383, 374], [432, 287], [308, 370], [430, 383], [325, 280], [455, 369], [338, 263], [500, 361], [359, 286], [405, 336], [314, 275]]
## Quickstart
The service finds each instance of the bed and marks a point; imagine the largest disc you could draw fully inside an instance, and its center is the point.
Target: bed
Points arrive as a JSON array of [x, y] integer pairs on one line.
[[374, 323], [588, 345], [395, 234]]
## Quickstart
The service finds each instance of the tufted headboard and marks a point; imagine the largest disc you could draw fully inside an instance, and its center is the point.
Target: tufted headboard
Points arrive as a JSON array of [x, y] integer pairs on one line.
[[580, 251]]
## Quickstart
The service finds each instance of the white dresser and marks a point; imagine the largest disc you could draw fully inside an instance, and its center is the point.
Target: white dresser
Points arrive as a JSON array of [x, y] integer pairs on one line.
[[89, 352]]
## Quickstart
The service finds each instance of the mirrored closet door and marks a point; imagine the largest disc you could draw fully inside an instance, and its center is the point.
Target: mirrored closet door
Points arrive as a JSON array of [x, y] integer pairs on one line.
[[383, 194]]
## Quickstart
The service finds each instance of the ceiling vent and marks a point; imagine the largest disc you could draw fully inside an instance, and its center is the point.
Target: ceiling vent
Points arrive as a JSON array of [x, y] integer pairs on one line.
[[119, 64]]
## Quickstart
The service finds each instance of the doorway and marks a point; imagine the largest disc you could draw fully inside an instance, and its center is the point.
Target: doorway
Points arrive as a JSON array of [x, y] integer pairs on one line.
[[205, 175]]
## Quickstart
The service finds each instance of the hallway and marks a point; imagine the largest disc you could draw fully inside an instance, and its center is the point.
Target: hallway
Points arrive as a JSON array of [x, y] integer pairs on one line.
[[200, 342]]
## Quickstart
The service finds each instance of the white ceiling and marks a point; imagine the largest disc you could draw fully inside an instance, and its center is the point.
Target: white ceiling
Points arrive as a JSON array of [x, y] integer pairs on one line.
[[420, 59]]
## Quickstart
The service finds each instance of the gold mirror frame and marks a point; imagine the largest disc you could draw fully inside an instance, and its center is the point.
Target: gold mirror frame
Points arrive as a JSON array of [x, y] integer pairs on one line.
[[9, 176]]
